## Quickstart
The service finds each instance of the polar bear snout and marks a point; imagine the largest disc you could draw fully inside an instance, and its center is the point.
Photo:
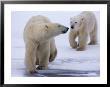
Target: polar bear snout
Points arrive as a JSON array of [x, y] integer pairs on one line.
[[65, 30], [72, 26]]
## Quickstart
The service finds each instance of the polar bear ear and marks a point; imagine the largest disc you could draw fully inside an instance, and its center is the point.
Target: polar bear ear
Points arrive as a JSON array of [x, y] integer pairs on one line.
[[82, 19], [46, 26]]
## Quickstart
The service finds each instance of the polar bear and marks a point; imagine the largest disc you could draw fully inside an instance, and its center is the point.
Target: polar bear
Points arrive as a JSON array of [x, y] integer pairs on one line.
[[39, 41], [83, 25]]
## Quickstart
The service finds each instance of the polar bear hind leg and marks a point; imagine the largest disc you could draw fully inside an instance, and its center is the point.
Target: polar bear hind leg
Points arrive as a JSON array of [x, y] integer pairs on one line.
[[53, 50], [53, 55], [93, 36]]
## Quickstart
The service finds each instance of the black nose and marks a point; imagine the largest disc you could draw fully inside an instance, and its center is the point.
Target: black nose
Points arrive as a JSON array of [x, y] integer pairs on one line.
[[72, 27], [67, 28]]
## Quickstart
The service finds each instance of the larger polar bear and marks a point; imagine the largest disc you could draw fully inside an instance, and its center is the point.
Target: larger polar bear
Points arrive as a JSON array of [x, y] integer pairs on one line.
[[83, 25], [39, 41]]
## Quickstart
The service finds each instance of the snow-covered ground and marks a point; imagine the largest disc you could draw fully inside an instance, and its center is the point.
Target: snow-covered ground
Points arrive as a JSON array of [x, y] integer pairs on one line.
[[68, 62]]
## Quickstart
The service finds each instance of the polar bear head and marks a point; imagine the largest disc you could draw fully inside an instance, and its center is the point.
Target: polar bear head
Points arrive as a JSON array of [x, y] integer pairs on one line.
[[54, 29], [76, 22]]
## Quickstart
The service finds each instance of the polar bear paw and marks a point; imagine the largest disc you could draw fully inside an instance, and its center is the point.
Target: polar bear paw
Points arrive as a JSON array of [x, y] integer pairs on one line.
[[80, 49], [32, 71], [75, 45], [41, 68], [92, 43]]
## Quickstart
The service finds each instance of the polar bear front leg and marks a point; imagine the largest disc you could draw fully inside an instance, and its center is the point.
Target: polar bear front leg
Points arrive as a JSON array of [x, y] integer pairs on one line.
[[30, 58], [72, 37], [82, 41], [43, 55], [93, 36]]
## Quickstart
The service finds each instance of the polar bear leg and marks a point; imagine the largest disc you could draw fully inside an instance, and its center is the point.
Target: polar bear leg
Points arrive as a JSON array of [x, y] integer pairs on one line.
[[82, 41], [30, 57], [37, 59], [93, 37], [53, 50], [72, 37], [43, 55]]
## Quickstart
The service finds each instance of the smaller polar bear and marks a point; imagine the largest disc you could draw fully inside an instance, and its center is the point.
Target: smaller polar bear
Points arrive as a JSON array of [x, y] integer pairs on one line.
[[39, 41], [83, 25]]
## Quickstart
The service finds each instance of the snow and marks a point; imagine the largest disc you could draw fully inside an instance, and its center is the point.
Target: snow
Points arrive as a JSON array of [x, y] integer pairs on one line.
[[68, 62]]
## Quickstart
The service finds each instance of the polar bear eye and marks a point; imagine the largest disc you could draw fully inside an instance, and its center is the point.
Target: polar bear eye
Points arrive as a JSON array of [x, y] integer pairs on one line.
[[75, 22], [59, 25]]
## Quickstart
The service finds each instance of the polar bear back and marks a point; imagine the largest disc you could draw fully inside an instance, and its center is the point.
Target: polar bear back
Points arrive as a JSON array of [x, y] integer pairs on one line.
[[89, 19]]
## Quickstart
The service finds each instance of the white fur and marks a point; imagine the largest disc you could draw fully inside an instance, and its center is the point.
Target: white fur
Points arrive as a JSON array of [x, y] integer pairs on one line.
[[84, 25], [39, 41]]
